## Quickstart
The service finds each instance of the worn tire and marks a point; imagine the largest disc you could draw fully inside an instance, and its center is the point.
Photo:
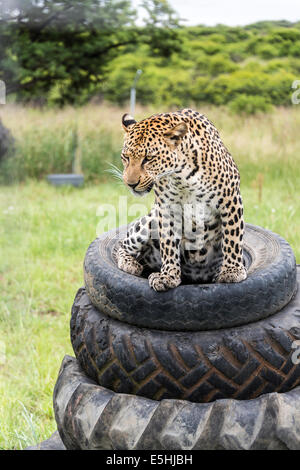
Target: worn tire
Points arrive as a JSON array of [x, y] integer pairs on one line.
[[241, 363], [270, 285], [92, 417]]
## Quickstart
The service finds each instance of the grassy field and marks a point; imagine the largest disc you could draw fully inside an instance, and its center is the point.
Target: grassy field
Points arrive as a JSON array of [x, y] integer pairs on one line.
[[45, 231]]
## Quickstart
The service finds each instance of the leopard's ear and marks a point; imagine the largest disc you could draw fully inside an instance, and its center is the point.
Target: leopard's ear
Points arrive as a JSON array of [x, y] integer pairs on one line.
[[174, 135], [128, 122]]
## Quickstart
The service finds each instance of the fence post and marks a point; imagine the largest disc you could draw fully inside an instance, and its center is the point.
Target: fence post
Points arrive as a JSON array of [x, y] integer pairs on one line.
[[133, 92]]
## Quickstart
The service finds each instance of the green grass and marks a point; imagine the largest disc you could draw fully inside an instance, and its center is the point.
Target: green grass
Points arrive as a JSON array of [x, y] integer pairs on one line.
[[45, 231]]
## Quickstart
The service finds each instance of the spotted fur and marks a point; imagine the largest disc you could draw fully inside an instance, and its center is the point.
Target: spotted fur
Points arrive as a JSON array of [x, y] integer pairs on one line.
[[195, 230]]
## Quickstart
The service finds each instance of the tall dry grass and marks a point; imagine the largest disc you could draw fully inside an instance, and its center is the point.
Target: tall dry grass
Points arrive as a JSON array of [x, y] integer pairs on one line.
[[266, 143]]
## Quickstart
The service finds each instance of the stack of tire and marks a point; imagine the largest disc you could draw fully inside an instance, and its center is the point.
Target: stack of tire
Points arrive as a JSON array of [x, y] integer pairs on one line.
[[211, 366]]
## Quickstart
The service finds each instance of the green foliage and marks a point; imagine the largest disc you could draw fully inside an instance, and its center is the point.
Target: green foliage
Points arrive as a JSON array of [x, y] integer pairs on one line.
[[295, 49], [267, 51], [155, 86], [221, 64], [67, 45], [63, 51], [214, 65]]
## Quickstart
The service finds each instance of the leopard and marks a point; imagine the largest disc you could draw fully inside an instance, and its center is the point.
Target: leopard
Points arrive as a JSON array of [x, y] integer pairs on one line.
[[195, 229]]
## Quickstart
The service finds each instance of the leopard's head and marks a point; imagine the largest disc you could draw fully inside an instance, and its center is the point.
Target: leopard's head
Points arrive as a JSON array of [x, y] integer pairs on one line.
[[150, 150]]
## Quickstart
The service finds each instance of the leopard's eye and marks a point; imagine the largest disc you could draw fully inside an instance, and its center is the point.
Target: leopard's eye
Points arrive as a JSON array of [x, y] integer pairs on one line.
[[148, 158], [124, 158]]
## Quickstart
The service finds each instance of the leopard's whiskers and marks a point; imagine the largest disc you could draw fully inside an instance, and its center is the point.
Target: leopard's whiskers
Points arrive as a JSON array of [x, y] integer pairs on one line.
[[115, 172]]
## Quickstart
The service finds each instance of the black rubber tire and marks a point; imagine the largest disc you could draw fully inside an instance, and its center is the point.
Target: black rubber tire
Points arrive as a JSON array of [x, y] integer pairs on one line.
[[95, 418], [270, 285], [242, 363]]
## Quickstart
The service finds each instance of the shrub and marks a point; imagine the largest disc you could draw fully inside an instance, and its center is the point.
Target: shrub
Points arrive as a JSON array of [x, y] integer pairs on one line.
[[220, 64], [267, 51], [295, 49]]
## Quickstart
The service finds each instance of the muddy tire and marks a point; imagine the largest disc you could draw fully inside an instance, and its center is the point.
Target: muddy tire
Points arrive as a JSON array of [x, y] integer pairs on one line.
[[92, 417]]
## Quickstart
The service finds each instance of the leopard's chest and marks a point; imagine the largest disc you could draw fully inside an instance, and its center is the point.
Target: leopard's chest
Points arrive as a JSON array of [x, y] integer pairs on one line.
[[197, 202], [196, 209], [196, 212]]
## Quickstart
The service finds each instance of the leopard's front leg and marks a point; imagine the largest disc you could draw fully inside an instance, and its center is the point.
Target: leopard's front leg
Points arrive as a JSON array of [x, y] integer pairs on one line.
[[169, 238], [233, 269], [131, 246], [128, 263]]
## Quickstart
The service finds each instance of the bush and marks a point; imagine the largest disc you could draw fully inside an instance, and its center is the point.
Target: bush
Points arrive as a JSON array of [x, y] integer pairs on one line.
[[214, 65], [219, 64], [267, 51], [295, 49]]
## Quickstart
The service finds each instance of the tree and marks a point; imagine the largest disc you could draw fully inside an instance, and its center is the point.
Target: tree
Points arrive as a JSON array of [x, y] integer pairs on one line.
[[68, 44]]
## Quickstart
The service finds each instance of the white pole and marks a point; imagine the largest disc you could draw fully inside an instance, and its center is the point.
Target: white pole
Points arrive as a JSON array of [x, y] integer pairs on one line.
[[132, 101], [133, 92]]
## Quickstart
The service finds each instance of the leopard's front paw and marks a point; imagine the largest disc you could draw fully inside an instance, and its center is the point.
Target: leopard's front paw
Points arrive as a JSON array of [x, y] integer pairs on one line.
[[130, 265], [232, 274], [162, 281]]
